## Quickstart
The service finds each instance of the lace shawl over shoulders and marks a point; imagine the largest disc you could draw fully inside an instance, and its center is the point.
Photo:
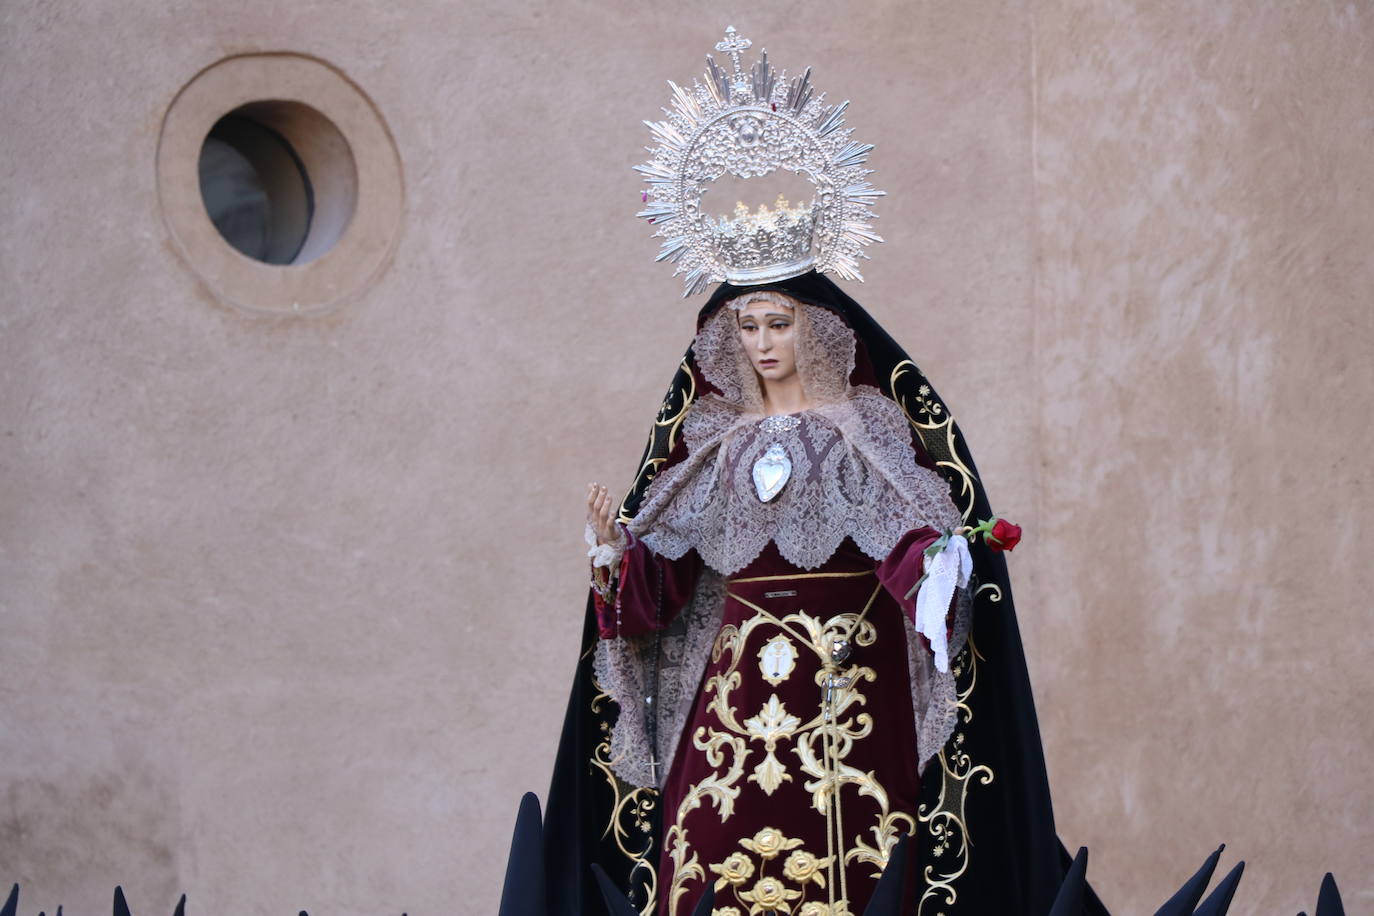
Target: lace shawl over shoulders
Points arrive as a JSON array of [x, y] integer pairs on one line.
[[854, 473]]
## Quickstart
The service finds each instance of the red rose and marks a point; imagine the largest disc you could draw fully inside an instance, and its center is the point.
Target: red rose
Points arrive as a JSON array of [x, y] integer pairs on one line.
[[1004, 535]]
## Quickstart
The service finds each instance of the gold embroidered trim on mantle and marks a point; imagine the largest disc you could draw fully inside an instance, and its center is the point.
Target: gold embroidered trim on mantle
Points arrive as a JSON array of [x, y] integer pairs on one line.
[[632, 811], [946, 822], [935, 426], [663, 435]]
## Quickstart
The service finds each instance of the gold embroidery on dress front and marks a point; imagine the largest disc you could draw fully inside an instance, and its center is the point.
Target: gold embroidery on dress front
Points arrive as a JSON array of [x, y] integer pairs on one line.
[[750, 884], [772, 724], [720, 788], [813, 741]]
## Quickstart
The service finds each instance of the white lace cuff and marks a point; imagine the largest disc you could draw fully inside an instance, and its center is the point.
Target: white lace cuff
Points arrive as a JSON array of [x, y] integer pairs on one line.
[[605, 555]]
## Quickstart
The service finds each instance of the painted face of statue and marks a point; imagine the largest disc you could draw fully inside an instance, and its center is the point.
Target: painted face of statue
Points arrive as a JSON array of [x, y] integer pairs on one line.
[[767, 332]]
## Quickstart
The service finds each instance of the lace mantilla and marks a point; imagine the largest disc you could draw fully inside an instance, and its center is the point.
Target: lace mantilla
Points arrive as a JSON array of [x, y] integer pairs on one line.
[[825, 354], [853, 475]]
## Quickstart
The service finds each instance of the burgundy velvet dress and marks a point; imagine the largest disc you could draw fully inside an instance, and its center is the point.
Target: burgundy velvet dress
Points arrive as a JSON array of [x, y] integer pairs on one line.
[[745, 798]]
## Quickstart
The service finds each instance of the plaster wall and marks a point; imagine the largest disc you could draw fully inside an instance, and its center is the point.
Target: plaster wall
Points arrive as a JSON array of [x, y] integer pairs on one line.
[[289, 606]]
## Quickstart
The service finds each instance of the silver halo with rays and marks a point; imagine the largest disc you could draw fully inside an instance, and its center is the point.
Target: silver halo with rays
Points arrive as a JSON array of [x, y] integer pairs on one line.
[[751, 125]]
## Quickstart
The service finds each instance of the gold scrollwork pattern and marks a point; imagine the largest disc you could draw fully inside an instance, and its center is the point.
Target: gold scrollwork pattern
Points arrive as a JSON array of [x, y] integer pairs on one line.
[[632, 811], [935, 425], [946, 822], [992, 590], [663, 436]]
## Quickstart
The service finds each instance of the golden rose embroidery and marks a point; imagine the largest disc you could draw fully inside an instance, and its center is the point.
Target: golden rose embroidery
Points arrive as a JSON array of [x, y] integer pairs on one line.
[[775, 894], [768, 843], [736, 869], [769, 895], [801, 867]]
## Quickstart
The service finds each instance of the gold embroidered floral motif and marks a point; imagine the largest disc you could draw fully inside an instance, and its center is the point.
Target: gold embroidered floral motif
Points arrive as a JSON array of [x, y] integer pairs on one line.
[[630, 804], [890, 828], [946, 823], [824, 909], [768, 843], [736, 869], [769, 895], [771, 724], [721, 788], [802, 867]]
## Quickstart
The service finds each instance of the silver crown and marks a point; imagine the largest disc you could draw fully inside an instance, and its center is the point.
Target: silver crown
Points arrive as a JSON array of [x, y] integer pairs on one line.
[[768, 245], [749, 126]]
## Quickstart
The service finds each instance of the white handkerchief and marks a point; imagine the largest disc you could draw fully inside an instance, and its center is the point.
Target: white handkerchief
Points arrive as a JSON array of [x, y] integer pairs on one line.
[[947, 570]]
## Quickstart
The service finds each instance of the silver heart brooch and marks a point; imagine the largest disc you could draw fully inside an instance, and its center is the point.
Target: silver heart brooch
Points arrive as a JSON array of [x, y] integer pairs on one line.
[[774, 468], [771, 472]]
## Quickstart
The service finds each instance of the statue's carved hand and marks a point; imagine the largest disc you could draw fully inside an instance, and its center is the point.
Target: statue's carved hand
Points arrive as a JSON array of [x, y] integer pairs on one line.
[[601, 514]]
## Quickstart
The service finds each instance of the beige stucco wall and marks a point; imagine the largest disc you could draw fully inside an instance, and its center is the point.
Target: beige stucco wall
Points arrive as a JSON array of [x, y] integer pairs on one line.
[[288, 607]]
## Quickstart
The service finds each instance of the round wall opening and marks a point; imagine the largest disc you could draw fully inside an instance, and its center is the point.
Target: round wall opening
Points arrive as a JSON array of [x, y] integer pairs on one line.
[[279, 183], [256, 190]]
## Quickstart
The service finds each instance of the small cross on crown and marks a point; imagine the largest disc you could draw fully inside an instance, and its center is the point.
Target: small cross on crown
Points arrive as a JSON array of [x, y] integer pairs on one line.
[[732, 44]]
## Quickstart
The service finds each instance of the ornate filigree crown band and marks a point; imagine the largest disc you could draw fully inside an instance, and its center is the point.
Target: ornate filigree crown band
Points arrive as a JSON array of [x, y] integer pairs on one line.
[[748, 126]]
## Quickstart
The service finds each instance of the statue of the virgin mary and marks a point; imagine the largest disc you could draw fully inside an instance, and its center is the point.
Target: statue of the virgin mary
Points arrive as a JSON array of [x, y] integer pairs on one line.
[[801, 651]]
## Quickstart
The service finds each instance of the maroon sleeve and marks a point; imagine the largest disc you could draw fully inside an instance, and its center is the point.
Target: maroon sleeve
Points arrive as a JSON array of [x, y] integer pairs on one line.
[[904, 566], [649, 592]]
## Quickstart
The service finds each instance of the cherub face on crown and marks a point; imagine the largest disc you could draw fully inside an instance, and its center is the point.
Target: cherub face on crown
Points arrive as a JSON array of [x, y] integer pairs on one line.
[[748, 128]]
